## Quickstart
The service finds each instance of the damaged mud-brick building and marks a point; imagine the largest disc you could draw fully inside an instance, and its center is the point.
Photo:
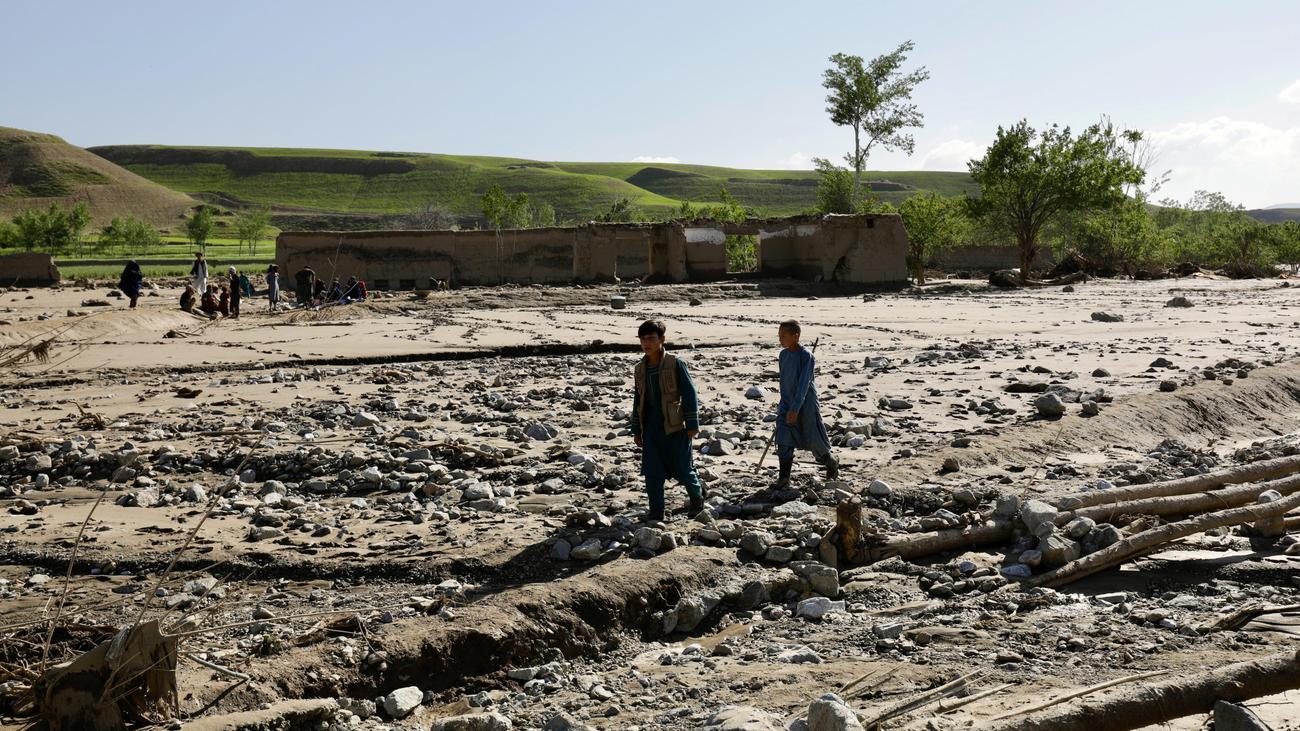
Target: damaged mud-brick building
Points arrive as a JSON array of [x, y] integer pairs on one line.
[[852, 249]]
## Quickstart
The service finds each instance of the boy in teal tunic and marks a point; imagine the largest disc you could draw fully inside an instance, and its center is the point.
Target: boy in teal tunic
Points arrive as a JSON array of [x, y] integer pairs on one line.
[[798, 418], [665, 418]]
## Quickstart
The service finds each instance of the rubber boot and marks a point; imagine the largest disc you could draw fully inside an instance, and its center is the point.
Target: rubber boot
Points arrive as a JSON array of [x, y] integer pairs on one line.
[[696, 505], [832, 467], [783, 481]]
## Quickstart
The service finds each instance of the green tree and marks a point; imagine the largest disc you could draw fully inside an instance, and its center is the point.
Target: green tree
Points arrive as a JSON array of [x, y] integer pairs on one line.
[[8, 234], [1287, 244], [543, 215], [496, 207], [519, 213], [836, 190], [875, 100], [1029, 180], [52, 230], [198, 227], [129, 235], [620, 210], [933, 223], [251, 227]]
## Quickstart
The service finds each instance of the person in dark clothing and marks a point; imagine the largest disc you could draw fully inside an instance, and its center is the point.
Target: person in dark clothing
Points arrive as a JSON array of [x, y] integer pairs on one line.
[[235, 292], [798, 417], [245, 286], [223, 301], [303, 281], [336, 291], [130, 281], [188, 297], [209, 301], [273, 286], [665, 418], [318, 292]]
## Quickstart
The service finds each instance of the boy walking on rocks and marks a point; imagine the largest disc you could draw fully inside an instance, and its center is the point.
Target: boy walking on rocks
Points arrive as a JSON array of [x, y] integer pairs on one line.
[[798, 418], [665, 418]]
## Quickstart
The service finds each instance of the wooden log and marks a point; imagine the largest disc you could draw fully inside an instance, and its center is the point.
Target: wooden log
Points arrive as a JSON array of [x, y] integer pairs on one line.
[[1147, 540], [1267, 469], [1149, 705], [914, 545], [1228, 497]]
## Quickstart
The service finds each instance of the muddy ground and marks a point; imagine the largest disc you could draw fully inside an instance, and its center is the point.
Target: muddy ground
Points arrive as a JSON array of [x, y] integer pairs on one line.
[[441, 493]]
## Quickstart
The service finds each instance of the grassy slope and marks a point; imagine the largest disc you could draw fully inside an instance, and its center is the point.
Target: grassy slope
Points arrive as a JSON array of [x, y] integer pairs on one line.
[[330, 181], [39, 169]]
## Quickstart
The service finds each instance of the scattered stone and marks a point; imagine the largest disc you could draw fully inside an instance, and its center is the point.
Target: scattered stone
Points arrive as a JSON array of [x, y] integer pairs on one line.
[[742, 718], [1049, 405], [831, 713], [473, 722], [1107, 317], [1168, 386], [879, 488], [401, 702], [1179, 301]]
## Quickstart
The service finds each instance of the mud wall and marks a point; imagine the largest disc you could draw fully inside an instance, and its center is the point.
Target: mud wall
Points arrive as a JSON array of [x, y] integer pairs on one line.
[[863, 249], [28, 270]]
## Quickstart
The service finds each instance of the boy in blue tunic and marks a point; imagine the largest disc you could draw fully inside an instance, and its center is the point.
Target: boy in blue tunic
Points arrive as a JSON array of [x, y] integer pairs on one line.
[[665, 418], [798, 418]]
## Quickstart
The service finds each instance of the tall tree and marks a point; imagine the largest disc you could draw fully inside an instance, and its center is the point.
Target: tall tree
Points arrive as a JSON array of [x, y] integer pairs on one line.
[[933, 223], [836, 189], [1029, 180], [875, 100], [251, 227], [198, 227]]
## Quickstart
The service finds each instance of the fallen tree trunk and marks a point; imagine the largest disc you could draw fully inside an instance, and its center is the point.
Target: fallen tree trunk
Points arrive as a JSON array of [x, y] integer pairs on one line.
[[1011, 279], [925, 544], [1146, 540], [1267, 469], [1229, 497], [1135, 707]]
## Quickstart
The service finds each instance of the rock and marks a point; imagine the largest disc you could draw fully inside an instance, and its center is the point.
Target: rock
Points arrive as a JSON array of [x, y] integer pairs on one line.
[[194, 494], [590, 550], [1179, 301], [8, 452], [1007, 506], [1017, 571], [365, 418], [696, 302], [879, 488], [401, 702], [1058, 551], [754, 392], [692, 610], [821, 578], [755, 594], [1079, 527], [1049, 405], [1090, 408], [816, 607], [779, 554], [831, 713], [1101, 373], [38, 463], [1168, 386], [564, 722], [793, 509], [561, 549], [895, 404], [1036, 512], [1107, 317], [799, 655], [1101, 536], [756, 542], [263, 532], [742, 718], [541, 431], [718, 447], [951, 464], [1069, 288], [1031, 558], [473, 722], [648, 538], [1230, 716], [477, 491]]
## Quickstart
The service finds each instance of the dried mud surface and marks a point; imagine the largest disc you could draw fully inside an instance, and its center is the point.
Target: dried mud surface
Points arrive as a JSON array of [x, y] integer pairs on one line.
[[452, 478]]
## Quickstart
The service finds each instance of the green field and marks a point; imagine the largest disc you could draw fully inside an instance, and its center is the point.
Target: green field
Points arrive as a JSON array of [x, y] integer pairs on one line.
[[358, 182]]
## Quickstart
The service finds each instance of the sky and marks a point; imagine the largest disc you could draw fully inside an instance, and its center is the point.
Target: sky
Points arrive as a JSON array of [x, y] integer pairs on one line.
[[1214, 86]]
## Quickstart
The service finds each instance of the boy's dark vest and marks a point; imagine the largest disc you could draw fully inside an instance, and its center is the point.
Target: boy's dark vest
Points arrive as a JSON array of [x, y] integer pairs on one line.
[[674, 416]]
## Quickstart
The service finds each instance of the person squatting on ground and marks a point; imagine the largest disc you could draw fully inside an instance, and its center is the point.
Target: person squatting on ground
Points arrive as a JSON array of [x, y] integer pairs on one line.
[[130, 281], [273, 286], [235, 292], [304, 279], [798, 418], [208, 302], [199, 272], [188, 297], [665, 418]]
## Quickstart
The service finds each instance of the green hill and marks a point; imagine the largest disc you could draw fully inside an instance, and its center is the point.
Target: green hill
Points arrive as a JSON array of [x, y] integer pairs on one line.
[[38, 169], [311, 188], [1274, 215]]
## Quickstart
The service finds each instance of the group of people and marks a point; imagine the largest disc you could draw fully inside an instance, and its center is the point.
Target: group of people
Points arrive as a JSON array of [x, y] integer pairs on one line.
[[665, 416], [223, 298], [311, 290]]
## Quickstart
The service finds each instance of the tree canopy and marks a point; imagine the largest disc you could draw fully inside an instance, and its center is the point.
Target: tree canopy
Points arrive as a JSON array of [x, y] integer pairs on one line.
[[1029, 179]]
